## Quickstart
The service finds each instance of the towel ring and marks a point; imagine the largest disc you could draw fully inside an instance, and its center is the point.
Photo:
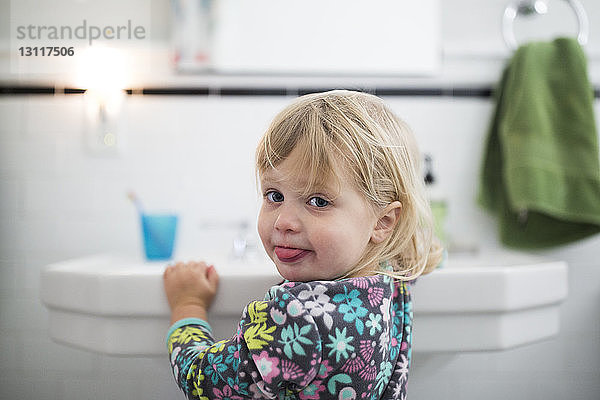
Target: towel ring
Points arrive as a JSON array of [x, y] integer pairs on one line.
[[528, 7]]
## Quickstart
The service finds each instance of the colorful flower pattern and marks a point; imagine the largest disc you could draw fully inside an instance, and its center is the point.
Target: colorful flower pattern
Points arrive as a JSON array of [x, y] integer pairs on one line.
[[316, 340]]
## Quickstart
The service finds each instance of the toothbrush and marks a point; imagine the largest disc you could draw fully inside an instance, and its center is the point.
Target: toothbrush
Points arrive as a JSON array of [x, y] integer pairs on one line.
[[136, 201]]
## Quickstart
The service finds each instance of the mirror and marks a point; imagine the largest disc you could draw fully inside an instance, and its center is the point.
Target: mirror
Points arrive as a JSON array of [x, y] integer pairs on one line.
[[373, 37]]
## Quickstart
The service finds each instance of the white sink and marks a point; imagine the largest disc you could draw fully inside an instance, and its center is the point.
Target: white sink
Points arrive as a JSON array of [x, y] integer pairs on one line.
[[493, 301], [116, 305]]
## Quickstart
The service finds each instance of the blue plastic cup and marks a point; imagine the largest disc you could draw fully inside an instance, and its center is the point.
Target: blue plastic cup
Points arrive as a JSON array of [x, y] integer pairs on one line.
[[159, 235]]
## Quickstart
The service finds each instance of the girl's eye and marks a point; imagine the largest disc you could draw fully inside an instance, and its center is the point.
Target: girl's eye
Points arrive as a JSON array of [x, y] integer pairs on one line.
[[274, 197], [318, 202]]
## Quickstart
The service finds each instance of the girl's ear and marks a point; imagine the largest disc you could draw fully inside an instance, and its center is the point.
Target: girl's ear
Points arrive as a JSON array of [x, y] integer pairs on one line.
[[386, 222]]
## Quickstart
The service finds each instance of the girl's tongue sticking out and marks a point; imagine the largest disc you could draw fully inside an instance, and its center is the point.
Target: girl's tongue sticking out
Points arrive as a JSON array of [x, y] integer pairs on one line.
[[287, 254]]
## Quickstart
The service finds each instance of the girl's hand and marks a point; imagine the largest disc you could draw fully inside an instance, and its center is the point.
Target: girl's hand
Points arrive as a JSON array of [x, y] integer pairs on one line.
[[190, 288]]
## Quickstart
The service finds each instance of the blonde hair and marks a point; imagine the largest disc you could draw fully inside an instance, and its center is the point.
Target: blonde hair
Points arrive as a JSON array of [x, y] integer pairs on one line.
[[379, 153]]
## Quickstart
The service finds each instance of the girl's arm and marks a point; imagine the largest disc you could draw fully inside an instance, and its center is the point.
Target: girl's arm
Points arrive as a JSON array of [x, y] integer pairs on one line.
[[271, 353]]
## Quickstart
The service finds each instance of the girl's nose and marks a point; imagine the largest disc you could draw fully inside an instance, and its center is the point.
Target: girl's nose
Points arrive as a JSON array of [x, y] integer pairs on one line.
[[287, 220]]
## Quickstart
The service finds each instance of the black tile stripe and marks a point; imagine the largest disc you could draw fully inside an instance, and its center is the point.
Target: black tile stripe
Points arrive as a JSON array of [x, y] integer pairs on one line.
[[175, 91], [412, 92], [5, 90], [253, 92], [482, 92], [9, 90]]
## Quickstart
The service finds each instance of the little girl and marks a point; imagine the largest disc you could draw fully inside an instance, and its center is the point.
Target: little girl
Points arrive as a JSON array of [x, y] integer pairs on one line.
[[345, 220]]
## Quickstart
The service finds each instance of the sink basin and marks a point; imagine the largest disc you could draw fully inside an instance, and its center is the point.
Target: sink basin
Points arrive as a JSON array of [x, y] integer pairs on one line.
[[116, 305], [489, 301]]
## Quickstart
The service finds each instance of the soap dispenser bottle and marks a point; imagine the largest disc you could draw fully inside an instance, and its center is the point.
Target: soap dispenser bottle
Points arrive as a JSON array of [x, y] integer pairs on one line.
[[437, 200]]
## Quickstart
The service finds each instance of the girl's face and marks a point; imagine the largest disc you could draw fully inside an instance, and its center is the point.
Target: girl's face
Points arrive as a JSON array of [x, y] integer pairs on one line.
[[316, 237]]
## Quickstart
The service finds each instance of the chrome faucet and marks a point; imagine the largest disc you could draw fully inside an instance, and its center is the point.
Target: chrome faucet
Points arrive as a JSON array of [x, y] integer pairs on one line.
[[243, 245]]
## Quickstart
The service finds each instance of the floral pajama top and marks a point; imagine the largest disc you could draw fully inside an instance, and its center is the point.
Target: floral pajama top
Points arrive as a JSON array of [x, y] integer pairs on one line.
[[346, 339]]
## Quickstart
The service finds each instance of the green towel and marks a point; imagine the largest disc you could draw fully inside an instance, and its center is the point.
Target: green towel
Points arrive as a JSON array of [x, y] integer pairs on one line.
[[541, 174]]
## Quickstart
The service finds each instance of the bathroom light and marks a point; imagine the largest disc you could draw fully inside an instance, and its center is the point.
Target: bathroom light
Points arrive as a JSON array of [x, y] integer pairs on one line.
[[103, 73]]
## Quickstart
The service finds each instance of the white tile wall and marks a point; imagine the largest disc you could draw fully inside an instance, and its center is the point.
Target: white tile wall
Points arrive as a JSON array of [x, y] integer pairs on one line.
[[197, 158]]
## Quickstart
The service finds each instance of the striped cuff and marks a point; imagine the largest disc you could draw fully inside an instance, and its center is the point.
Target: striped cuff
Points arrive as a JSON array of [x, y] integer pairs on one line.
[[188, 321]]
